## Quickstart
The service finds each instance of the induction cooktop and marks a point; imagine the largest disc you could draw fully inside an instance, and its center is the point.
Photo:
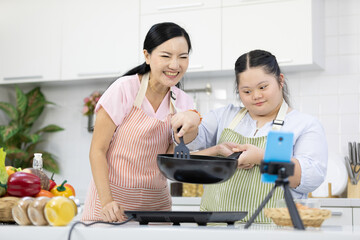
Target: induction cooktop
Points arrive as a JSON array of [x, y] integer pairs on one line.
[[177, 217]]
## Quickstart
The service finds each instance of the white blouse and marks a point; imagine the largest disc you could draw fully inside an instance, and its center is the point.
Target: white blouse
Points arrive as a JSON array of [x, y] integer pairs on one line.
[[310, 147]]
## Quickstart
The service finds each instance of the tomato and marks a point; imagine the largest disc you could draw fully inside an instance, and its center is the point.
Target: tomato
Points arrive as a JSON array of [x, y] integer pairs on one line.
[[44, 193]]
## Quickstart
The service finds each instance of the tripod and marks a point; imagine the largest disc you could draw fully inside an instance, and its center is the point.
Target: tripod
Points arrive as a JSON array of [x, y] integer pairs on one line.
[[283, 170]]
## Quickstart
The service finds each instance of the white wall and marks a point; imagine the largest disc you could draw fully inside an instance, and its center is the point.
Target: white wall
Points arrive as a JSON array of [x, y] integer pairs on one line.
[[332, 95]]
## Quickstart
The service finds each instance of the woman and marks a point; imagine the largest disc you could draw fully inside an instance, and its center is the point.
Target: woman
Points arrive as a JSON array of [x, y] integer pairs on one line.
[[133, 126], [262, 90]]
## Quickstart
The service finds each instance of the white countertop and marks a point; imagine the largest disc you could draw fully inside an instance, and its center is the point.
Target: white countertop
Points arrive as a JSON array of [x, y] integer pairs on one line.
[[133, 230], [324, 202]]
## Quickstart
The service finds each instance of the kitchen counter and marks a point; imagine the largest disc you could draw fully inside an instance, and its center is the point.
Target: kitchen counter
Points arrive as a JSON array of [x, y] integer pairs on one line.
[[324, 202], [133, 230]]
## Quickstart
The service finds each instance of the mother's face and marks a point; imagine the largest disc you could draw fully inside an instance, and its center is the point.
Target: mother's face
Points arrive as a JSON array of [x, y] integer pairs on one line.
[[168, 61]]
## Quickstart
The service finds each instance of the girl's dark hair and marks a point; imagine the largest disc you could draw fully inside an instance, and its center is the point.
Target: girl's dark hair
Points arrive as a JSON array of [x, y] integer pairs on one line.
[[158, 34], [264, 59]]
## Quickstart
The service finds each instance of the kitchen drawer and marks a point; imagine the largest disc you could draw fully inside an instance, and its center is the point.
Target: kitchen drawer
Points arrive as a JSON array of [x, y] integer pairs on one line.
[[160, 6], [340, 217], [185, 208]]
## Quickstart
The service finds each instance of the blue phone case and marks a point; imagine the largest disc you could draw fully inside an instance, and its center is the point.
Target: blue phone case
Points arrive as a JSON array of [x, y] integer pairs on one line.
[[279, 148]]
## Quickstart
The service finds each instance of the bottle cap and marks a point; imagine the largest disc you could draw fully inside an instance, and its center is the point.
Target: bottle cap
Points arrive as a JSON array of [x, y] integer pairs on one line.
[[38, 155]]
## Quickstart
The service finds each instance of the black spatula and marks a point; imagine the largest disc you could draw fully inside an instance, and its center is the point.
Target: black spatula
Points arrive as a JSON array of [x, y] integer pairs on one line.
[[181, 151]]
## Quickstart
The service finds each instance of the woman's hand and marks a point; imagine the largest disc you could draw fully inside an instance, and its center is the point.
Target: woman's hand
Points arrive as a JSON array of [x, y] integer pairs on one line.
[[188, 121], [112, 212], [250, 156]]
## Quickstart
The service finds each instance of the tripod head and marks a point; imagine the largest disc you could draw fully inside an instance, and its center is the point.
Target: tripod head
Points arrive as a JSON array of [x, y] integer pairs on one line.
[[281, 169]]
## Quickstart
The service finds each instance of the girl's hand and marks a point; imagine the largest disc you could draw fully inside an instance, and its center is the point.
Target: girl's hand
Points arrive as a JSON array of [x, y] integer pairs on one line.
[[188, 121], [112, 212], [250, 156], [223, 149]]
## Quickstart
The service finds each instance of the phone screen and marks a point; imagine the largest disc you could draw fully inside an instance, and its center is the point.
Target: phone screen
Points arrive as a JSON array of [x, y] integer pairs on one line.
[[279, 147]]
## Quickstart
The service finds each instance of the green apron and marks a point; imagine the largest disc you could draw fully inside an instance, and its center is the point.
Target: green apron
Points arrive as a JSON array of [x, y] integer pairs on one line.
[[244, 191]]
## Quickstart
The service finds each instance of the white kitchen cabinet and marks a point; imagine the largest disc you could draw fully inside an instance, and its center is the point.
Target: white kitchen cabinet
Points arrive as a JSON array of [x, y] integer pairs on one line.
[[30, 40], [290, 29], [186, 203], [339, 217], [202, 21], [99, 38], [356, 216]]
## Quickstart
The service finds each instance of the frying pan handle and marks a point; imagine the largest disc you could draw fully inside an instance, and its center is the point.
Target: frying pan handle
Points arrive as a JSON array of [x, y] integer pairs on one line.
[[235, 155], [178, 130]]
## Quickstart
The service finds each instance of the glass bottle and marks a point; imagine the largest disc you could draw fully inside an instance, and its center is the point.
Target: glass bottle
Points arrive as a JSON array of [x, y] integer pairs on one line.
[[38, 161]]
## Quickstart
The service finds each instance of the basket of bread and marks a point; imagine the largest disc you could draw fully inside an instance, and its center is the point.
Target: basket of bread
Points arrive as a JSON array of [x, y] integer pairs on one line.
[[311, 217]]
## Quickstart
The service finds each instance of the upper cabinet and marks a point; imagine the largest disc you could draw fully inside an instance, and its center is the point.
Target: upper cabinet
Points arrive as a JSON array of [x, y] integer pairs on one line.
[[30, 40], [46, 40], [99, 38], [201, 19], [292, 30]]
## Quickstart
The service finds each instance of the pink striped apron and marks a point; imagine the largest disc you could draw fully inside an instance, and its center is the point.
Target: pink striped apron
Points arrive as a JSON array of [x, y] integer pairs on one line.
[[136, 182]]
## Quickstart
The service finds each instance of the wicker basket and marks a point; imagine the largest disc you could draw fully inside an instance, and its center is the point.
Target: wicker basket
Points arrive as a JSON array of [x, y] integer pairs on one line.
[[6, 204], [312, 217]]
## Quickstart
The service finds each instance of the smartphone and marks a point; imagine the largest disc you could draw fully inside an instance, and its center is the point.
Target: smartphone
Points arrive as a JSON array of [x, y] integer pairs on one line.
[[279, 148]]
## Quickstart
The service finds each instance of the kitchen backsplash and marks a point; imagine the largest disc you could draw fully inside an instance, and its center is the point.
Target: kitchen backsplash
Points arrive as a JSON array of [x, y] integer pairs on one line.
[[331, 94]]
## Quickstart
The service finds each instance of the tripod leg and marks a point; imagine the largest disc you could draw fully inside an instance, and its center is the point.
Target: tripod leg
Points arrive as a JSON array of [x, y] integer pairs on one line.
[[294, 214], [262, 205]]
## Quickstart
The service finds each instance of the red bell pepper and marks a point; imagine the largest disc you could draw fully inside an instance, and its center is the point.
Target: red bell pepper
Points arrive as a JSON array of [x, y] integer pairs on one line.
[[22, 184], [52, 182]]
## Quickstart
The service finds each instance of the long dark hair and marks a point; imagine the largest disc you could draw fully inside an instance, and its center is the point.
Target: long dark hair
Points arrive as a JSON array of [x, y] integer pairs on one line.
[[264, 59], [158, 34]]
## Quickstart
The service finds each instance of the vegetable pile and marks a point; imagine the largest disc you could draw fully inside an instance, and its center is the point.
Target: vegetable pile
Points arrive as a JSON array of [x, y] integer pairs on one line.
[[29, 182]]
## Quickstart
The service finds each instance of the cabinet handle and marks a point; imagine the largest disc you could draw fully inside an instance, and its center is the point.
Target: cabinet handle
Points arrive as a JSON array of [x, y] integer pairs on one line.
[[97, 74], [286, 60], [196, 66], [23, 78], [336, 214], [189, 5]]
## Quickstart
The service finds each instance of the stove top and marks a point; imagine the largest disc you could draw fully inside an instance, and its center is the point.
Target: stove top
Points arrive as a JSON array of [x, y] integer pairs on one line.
[[177, 217]]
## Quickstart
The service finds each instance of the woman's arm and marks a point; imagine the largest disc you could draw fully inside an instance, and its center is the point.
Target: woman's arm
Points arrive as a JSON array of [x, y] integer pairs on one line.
[[187, 122], [102, 135]]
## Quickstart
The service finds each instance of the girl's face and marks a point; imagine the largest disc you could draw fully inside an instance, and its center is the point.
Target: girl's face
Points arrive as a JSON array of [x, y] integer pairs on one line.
[[168, 61], [260, 92]]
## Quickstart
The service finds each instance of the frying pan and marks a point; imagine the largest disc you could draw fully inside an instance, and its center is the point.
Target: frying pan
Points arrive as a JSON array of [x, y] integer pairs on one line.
[[199, 169]]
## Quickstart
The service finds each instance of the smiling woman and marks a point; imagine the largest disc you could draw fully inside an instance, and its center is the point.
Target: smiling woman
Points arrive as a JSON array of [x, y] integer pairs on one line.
[[133, 126]]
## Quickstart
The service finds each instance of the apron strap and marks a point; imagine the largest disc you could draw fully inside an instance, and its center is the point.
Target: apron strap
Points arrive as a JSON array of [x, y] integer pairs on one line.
[[277, 123], [240, 115], [142, 91], [279, 120], [173, 108]]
